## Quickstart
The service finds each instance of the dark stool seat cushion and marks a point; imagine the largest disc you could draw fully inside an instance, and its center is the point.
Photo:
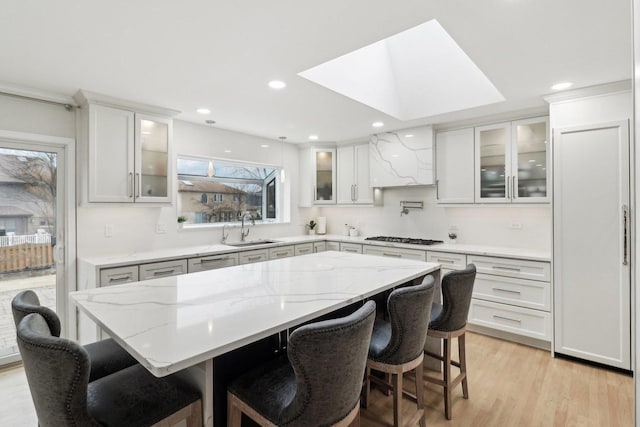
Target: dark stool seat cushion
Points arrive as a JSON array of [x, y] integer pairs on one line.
[[134, 397], [379, 338], [107, 357], [269, 388]]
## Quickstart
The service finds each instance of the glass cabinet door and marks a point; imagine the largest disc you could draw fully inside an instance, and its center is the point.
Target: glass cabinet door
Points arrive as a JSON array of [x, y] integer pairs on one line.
[[493, 168], [530, 156], [324, 162], [152, 159]]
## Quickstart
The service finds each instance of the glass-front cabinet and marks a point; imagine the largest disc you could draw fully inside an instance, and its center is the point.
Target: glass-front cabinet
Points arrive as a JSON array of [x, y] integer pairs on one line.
[[152, 159], [324, 175], [530, 153], [511, 162]]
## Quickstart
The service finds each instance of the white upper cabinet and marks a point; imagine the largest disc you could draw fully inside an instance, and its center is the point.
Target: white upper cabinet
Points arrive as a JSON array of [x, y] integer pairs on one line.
[[454, 166], [402, 158], [353, 175], [511, 162], [317, 176], [125, 153]]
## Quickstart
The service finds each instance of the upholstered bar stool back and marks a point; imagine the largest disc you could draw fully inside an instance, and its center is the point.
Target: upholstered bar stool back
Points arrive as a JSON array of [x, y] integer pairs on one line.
[[448, 321], [397, 345], [106, 356], [320, 383], [58, 375]]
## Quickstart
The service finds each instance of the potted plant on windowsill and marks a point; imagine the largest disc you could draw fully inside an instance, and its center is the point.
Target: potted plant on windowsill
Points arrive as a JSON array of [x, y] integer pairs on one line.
[[452, 237], [311, 226], [181, 220]]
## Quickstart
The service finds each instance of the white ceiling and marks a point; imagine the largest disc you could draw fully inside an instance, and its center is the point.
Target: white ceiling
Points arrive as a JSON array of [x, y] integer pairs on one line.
[[221, 54]]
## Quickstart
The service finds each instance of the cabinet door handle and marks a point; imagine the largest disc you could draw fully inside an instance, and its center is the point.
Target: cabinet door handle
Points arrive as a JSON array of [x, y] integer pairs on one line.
[[355, 188], [495, 316], [437, 190], [625, 214], [498, 267], [164, 272], [446, 261], [514, 190], [118, 279], [130, 184], [315, 193], [392, 255], [507, 194], [506, 290], [138, 184]]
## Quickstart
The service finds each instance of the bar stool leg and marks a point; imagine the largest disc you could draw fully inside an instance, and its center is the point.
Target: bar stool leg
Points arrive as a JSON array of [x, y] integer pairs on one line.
[[447, 377], [462, 355], [397, 397], [367, 388], [420, 393]]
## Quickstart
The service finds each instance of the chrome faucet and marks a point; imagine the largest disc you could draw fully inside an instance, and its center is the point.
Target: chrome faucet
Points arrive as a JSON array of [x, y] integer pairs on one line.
[[244, 234], [224, 235]]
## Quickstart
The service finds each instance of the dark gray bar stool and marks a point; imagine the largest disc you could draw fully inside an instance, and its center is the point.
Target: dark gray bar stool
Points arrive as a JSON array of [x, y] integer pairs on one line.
[[449, 321], [106, 356], [397, 345], [58, 375], [320, 383]]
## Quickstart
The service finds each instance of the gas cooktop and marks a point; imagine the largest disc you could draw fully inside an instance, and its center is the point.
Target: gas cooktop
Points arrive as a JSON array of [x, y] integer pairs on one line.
[[406, 240]]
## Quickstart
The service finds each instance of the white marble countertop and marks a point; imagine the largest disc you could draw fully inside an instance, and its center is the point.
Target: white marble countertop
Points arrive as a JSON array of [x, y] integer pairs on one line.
[[197, 251], [172, 323]]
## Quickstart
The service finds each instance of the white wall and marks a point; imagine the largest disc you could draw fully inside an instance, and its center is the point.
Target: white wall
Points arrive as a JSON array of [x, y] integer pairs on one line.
[[134, 227], [20, 115], [486, 225]]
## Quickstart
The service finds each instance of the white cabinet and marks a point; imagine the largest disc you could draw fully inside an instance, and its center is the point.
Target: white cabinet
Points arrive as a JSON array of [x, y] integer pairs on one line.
[[118, 275], [415, 254], [402, 158], [333, 246], [212, 262], [124, 151], [512, 295], [454, 166], [317, 176], [511, 162], [448, 261], [592, 243], [281, 252], [353, 175], [156, 270]]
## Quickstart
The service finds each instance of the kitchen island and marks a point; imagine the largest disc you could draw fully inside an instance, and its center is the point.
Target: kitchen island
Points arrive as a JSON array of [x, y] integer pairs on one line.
[[181, 323]]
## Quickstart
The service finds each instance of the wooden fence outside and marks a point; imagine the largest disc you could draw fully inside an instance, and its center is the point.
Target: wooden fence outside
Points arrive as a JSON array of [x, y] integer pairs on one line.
[[25, 256]]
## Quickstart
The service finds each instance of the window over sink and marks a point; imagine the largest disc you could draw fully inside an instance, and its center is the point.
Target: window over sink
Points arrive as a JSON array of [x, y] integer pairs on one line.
[[215, 191]]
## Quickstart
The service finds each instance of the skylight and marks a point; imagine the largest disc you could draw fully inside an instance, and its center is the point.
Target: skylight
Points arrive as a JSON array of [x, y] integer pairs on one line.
[[417, 73]]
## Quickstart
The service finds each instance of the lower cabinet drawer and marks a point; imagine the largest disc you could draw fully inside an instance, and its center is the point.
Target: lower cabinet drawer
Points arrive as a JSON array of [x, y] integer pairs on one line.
[[354, 248], [281, 252], [332, 246], [510, 267], [212, 262], [320, 246], [303, 249], [118, 275], [519, 292], [163, 269], [517, 320], [448, 260], [394, 252], [253, 256]]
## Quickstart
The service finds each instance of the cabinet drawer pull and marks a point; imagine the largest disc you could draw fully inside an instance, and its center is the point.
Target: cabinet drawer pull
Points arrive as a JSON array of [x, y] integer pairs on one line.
[[164, 272], [130, 184], [350, 250], [446, 261], [392, 255], [506, 290], [116, 279], [281, 253], [304, 251], [495, 316], [497, 267], [208, 260], [254, 258]]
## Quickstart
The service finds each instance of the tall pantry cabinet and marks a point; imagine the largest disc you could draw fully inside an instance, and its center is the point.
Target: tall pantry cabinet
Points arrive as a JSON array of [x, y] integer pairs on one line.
[[591, 224]]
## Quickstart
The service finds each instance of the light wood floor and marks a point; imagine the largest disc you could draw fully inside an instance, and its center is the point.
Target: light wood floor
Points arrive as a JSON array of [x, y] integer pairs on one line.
[[509, 385]]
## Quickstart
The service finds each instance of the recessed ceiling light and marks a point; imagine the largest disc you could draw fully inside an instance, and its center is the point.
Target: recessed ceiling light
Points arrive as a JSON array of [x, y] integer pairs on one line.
[[409, 136], [277, 84], [264, 146], [313, 137], [562, 86], [203, 111], [377, 124]]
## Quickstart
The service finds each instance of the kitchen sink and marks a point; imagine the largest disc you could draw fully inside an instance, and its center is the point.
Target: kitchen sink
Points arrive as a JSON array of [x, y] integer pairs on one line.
[[252, 243]]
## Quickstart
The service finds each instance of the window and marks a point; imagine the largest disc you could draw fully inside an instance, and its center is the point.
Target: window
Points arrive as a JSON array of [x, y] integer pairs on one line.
[[216, 191]]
